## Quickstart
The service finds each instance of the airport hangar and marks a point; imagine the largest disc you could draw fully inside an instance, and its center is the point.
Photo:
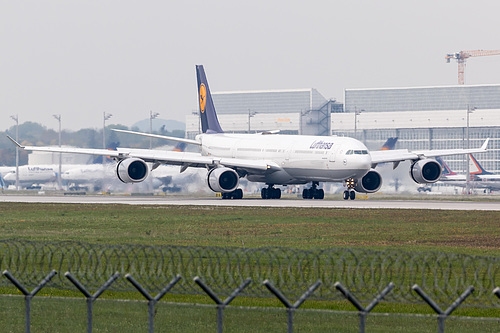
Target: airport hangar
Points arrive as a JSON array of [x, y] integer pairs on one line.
[[421, 117]]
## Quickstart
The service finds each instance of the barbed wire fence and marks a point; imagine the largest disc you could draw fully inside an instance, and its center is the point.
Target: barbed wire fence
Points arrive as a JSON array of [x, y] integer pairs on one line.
[[365, 273]]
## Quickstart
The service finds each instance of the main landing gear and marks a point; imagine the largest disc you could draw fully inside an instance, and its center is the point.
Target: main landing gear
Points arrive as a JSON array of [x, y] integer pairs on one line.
[[313, 192], [236, 194], [270, 192]]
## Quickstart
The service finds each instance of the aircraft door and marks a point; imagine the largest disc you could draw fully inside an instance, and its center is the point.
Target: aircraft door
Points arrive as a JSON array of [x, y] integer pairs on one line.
[[332, 154], [288, 152]]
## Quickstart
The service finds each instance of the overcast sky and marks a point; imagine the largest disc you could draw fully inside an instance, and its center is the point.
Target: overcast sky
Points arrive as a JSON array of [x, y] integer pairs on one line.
[[82, 58]]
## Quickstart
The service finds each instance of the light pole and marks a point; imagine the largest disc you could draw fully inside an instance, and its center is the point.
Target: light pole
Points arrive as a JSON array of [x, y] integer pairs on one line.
[[59, 182], [16, 119], [106, 116], [467, 182], [356, 114], [152, 115], [250, 115], [195, 113]]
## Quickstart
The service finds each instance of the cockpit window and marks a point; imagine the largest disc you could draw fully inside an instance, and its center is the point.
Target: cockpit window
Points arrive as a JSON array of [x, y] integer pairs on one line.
[[357, 152]]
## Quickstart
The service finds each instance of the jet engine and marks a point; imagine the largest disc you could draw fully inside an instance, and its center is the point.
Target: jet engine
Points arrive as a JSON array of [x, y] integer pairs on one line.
[[369, 183], [223, 180], [132, 170], [426, 171]]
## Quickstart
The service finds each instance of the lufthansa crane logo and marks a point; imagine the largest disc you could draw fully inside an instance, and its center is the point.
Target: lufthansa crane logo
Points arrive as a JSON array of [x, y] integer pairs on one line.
[[203, 97]]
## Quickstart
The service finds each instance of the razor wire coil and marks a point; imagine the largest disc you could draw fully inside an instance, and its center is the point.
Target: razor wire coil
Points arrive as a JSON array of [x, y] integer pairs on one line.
[[444, 276]]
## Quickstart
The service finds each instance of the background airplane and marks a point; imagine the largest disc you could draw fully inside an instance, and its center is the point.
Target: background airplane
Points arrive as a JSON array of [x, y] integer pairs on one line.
[[479, 177], [30, 176]]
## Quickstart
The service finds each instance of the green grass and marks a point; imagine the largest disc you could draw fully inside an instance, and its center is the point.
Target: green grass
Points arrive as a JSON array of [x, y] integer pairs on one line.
[[465, 232], [69, 315]]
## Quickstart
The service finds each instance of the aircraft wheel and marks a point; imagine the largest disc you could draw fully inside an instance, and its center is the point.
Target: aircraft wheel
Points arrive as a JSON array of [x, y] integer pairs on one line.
[[346, 195], [238, 194], [263, 193], [307, 193], [320, 194], [277, 193], [352, 195]]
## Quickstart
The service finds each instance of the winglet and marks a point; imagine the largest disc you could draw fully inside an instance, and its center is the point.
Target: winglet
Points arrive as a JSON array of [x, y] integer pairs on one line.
[[485, 144], [15, 142]]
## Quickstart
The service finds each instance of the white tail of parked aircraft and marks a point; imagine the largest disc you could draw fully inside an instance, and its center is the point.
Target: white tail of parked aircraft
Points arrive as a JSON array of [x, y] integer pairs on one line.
[[272, 159]]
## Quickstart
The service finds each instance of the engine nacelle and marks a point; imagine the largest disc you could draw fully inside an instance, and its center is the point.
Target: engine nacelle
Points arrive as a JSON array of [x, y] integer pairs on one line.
[[223, 180], [369, 183], [426, 171], [132, 170]]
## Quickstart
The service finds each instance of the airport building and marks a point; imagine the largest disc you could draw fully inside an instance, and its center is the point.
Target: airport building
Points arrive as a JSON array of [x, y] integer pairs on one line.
[[297, 111], [426, 118], [421, 117]]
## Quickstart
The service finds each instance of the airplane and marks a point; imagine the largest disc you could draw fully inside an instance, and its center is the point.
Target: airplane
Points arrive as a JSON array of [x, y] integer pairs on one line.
[[29, 175], [479, 177], [270, 158]]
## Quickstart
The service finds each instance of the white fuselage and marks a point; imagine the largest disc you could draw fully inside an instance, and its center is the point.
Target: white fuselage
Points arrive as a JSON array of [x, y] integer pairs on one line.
[[302, 158], [30, 174]]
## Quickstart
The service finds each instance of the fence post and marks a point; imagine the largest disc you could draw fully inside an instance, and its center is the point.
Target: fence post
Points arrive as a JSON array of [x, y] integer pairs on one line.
[[221, 304], [91, 298], [363, 312], [290, 308], [28, 295], [152, 300], [442, 315]]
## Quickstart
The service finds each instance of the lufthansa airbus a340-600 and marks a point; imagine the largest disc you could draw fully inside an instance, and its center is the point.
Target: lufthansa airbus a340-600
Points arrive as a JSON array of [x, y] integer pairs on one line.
[[270, 158]]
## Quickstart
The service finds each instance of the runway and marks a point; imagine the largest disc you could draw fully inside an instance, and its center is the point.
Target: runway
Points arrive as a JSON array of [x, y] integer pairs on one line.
[[251, 202]]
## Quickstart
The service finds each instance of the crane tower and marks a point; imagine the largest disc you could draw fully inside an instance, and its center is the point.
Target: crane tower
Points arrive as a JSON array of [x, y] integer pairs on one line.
[[462, 56]]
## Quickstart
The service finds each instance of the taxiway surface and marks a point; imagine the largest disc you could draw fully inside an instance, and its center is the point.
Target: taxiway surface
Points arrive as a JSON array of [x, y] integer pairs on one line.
[[250, 202]]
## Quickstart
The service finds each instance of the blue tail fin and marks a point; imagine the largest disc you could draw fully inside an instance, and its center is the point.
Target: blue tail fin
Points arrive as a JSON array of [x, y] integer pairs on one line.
[[390, 144], [180, 146], [446, 169], [209, 121]]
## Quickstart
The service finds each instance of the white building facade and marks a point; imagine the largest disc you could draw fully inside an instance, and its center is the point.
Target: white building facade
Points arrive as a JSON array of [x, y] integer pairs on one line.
[[421, 117]]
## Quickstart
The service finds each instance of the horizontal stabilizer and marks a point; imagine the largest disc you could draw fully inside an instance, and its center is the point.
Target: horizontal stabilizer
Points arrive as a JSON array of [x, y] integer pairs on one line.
[[171, 138]]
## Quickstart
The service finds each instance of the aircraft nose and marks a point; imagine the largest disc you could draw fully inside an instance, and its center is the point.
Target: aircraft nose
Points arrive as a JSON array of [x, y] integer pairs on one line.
[[10, 176], [362, 162]]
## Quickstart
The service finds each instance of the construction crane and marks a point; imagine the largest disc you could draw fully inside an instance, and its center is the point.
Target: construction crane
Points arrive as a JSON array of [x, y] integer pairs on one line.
[[462, 56]]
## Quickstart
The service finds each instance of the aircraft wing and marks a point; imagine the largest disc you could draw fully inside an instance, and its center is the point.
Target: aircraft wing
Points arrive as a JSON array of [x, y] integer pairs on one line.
[[196, 160], [184, 159], [385, 156]]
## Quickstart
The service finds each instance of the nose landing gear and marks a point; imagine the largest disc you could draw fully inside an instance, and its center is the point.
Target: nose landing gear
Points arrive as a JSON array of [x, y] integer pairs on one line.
[[350, 193]]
